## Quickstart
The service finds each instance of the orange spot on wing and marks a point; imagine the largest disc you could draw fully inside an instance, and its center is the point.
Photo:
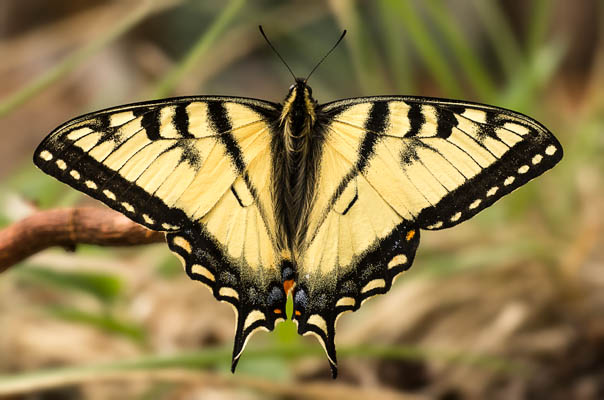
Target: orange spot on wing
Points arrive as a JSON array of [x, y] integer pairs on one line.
[[298, 313], [410, 235], [288, 285], [277, 311]]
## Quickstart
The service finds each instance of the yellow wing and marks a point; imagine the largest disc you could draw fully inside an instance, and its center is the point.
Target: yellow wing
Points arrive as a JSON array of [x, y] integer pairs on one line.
[[393, 165], [196, 168]]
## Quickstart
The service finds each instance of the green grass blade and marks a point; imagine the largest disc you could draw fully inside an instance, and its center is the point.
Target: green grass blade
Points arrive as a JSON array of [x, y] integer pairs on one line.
[[105, 322], [523, 88], [32, 381], [205, 41], [74, 60], [501, 36], [104, 287], [365, 57], [538, 25], [426, 46], [397, 53], [475, 71]]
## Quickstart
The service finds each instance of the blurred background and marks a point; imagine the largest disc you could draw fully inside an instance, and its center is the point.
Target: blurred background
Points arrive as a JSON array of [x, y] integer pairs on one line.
[[509, 305]]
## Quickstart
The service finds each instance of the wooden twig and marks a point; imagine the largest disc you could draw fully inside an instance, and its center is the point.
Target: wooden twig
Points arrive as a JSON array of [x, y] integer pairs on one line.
[[68, 228]]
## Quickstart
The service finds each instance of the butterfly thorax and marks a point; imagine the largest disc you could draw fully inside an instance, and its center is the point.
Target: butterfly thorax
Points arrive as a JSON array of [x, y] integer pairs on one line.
[[295, 164]]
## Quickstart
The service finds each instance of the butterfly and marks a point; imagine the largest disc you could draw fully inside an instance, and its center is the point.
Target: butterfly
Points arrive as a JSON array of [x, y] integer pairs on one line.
[[324, 202]]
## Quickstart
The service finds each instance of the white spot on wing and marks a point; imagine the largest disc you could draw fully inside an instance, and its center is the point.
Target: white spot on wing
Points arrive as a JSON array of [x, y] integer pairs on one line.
[[374, 284], [148, 219], [74, 174], [90, 184], [318, 321], [46, 155], [128, 206], [537, 159], [228, 292], [523, 170], [551, 149], [475, 204], [203, 271], [397, 260], [252, 317], [61, 164], [509, 180], [345, 301], [182, 243], [436, 225], [492, 191], [456, 217], [109, 194]]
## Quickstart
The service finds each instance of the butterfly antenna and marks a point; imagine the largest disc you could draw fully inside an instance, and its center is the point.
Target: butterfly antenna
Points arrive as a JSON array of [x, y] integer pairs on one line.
[[326, 55], [276, 52]]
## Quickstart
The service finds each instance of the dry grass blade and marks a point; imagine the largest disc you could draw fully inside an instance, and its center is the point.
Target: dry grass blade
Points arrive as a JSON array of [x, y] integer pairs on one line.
[[33, 383]]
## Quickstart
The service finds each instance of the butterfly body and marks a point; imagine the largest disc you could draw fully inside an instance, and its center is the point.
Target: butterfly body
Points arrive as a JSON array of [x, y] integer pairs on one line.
[[296, 144], [322, 201]]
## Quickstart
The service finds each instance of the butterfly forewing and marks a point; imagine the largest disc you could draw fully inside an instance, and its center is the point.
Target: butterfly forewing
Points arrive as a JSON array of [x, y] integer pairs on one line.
[[440, 162]]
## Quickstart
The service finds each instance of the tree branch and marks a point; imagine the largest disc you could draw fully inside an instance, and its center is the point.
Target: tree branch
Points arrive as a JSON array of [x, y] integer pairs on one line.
[[68, 228]]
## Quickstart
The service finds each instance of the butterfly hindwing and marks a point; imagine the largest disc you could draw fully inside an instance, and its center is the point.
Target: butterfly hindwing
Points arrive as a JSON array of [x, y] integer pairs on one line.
[[393, 165], [195, 168], [256, 293]]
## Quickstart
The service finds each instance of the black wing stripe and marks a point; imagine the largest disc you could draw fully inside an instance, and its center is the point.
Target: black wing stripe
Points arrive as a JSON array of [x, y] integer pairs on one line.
[[151, 123], [416, 119], [219, 118], [376, 122], [446, 121], [181, 120]]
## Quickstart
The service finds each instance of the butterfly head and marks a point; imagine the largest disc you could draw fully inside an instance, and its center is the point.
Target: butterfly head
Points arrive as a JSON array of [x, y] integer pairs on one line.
[[299, 86], [300, 93], [299, 105]]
